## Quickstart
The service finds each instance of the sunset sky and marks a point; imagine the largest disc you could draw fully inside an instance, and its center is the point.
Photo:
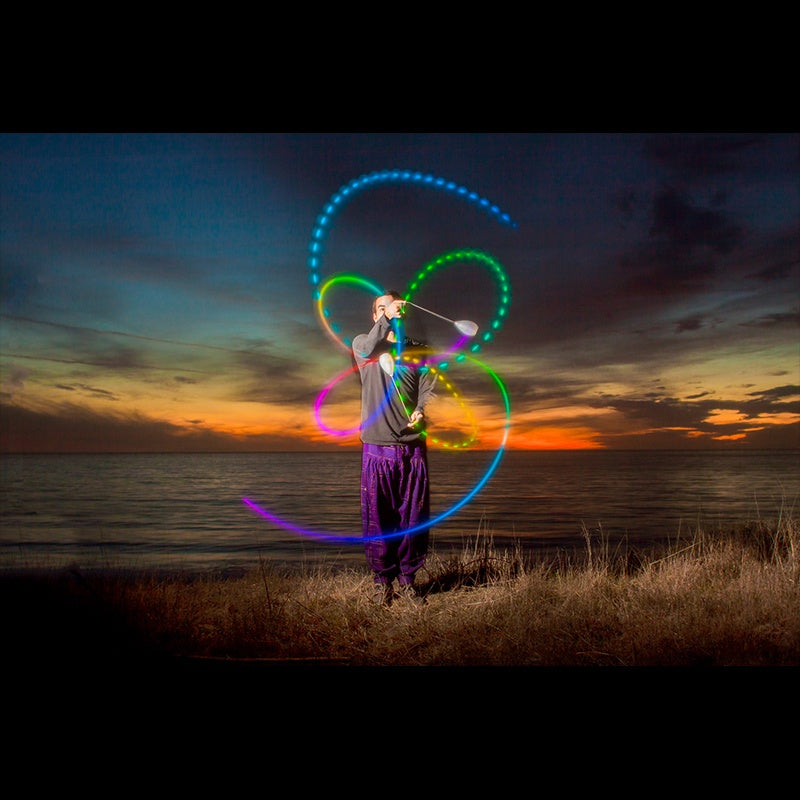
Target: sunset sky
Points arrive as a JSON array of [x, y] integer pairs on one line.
[[156, 291]]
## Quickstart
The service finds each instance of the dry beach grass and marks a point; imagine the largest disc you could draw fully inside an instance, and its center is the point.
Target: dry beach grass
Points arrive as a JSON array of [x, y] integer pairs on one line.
[[712, 598]]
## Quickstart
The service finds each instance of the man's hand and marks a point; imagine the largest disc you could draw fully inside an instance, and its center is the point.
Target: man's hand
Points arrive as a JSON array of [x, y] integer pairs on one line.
[[395, 309], [416, 416]]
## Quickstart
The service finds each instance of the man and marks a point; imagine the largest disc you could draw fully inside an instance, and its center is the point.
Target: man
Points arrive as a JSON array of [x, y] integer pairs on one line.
[[395, 493]]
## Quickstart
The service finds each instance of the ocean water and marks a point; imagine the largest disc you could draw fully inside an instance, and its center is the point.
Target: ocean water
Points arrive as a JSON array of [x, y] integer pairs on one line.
[[186, 511]]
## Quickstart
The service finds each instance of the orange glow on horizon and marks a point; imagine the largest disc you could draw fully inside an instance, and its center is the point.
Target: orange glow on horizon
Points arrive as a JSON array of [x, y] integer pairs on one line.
[[490, 436], [553, 438]]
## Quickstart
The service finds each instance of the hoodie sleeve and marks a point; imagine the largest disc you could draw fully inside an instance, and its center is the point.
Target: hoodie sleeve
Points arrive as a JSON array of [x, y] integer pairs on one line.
[[365, 344]]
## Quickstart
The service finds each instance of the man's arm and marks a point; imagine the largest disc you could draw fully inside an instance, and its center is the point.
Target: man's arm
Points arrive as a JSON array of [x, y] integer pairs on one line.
[[365, 344]]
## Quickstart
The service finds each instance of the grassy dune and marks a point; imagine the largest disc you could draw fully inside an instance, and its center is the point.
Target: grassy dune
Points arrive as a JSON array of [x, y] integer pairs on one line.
[[713, 598]]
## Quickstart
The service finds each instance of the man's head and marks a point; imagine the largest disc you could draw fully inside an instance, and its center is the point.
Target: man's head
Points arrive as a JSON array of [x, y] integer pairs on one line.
[[379, 304]]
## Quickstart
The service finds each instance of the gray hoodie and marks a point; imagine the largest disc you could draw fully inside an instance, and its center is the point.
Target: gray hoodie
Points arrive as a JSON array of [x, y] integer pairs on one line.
[[383, 418]]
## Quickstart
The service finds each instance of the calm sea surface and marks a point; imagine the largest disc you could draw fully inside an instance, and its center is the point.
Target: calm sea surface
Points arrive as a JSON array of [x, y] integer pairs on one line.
[[182, 511]]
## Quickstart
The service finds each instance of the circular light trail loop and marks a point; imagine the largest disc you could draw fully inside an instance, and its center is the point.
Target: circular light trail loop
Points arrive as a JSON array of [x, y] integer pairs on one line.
[[436, 363], [347, 279], [348, 191], [359, 538], [324, 393], [496, 271], [417, 356]]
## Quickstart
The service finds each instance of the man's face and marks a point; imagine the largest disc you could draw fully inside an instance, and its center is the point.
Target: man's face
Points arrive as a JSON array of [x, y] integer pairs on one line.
[[380, 306]]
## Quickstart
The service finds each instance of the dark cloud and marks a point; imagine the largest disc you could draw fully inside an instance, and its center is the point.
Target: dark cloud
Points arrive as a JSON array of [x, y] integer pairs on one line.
[[789, 318], [83, 329], [90, 391], [778, 392], [683, 249], [665, 412], [695, 421], [693, 323], [775, 272], [672, 412], [686, 227], [268, 378], [780, 399], [776, 437], [110, 363], [701, 156]]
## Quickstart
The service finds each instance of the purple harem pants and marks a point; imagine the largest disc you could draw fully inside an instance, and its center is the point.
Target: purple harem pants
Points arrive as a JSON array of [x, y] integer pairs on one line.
[[395, 495]]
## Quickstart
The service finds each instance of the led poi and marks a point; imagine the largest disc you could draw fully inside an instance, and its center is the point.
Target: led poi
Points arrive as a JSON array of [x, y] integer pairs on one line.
[[464, 326]]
